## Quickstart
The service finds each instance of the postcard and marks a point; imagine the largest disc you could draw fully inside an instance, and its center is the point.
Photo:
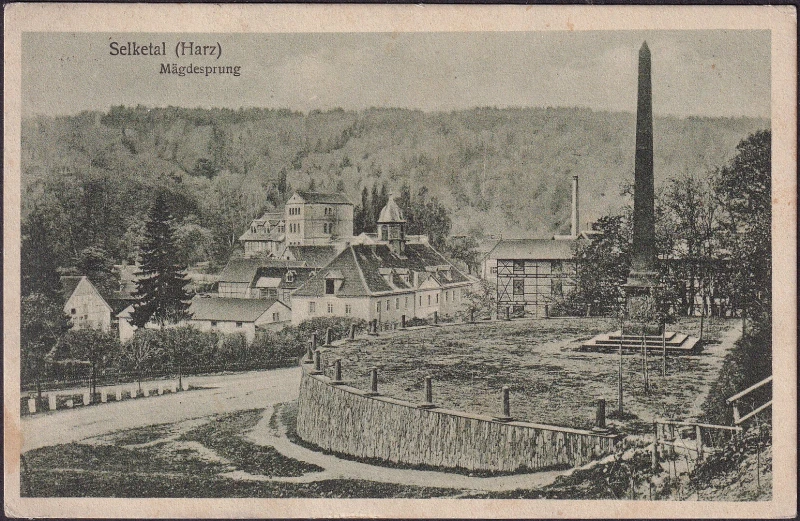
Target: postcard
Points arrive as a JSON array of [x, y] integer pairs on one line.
[[303, 261]]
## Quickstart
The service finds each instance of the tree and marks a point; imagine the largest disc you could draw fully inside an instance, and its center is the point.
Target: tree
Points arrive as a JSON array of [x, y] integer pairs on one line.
[[38, 260], [139, 351], [480, 300], [602, 267], [160, 294], [98, 265], [462, 249], [743, 188], [92, 345], [42, 323]]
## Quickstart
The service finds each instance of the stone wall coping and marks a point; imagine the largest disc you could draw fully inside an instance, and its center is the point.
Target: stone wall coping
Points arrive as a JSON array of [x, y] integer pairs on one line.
[[449, 412]]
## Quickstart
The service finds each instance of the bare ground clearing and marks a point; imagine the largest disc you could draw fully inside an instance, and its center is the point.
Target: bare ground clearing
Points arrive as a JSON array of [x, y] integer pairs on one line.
[[550, 380]]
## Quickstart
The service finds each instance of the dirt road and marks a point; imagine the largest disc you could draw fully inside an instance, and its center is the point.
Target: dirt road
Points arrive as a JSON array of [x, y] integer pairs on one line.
[[221, 394]]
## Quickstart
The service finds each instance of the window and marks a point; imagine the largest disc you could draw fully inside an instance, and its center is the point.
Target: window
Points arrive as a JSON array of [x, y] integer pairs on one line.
[[329, 286], [388, 304], [556, 288], [437, 298], [446, 296], [312, 307], [556, 266], [213, 323], [493, 270], [406, 304], [330, 307], [348, 309], [378, 306], [238, 324], [294, 210], [397, 303], [384, 233], [429, 300], [72, 311], [420, 300], [519, 266], [276, 317], [290, 276], [519, 286]]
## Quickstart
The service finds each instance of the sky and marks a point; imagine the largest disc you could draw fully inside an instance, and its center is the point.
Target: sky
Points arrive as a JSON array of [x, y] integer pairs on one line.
[[695, 73]]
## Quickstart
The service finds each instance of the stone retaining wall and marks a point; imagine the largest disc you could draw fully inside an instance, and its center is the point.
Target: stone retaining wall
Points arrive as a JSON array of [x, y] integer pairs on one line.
[[348, 420]]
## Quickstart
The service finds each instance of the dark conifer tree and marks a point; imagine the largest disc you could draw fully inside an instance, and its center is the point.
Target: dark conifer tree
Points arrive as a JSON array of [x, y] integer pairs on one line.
[[160, 294], [39, 262]]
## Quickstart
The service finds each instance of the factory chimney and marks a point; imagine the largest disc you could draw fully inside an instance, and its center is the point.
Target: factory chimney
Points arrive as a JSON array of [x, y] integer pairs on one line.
[[575, 216]]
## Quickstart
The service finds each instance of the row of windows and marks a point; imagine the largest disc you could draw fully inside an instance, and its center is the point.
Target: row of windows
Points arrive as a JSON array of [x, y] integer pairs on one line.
[[327, 227], [294, 210], [294, 227], [556, 287], [312, 308], [385, 304]]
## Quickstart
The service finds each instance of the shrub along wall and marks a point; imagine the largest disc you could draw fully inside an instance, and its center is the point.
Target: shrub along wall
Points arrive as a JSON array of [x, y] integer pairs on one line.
[[347, 420]]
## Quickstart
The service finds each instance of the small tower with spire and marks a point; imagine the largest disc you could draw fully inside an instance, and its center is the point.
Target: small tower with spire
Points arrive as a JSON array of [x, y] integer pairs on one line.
[[392, 226]]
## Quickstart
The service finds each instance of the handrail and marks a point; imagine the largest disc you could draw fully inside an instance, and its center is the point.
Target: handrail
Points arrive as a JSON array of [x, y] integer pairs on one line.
[[753, 413], [750, 389], [693, 424]]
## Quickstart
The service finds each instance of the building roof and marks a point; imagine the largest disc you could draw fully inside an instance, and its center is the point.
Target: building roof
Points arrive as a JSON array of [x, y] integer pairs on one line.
[[245, 269], [360, 267], [322, 198], [250, 235], [229, 309], [391, 213], [69, 283], [313, 256], [536, 249], [301, 274]]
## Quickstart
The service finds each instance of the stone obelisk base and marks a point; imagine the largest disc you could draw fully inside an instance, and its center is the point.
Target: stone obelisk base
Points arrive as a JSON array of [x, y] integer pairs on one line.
[[641, 305]]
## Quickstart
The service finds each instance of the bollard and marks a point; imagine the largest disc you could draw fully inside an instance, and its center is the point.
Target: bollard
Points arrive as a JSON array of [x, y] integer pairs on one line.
[[87, 398], [373, 382], [352, 331], [402, 321], [435, 318], [32, 405], [51, 401], [160, 389], [506, 415], [337, 374], [103, 396], [654, 454], [119, 394], [600, 416], [428, 403], [309, 354], [146, 392], [173, 388], [328, 336], [317, 363], [314, 341], [134, 392]]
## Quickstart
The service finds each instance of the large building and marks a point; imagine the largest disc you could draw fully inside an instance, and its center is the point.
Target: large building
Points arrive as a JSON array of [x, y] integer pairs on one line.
[[86, 307], [262, 278], [384, 280], [531, 273], [307, 219]]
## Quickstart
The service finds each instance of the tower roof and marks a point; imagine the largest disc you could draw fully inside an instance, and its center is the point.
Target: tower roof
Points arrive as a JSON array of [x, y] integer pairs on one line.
[[391, 213]]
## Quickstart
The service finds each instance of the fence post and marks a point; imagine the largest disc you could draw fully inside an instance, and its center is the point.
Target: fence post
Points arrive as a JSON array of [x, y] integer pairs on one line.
[[699, 434], [664, 351], [619, 377], [134, 392], [655, 447], [402, 321], [547, 311], [328, 336], [471, 316], [600, 415], [435, 318], [508, 312], [103, 395], [51, 401], [32, 405], [87, 398], [317, 363], [506, 415], [352, 331], [428, 403], [373, 381], [337, 378], [118, 396]]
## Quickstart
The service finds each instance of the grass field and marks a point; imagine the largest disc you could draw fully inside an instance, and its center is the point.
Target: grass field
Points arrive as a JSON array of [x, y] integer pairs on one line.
[[195, 458], [550, 380]]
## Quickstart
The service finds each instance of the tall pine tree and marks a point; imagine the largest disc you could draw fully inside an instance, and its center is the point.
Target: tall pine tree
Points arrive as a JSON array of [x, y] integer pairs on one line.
[[160, 294]]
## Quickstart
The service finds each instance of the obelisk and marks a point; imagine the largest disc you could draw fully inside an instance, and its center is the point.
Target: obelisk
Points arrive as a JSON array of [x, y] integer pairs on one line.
[[643, 277]]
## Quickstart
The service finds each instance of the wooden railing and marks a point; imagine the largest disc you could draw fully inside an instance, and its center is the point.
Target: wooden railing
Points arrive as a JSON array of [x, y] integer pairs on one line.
[[668, 434], [735, 399]]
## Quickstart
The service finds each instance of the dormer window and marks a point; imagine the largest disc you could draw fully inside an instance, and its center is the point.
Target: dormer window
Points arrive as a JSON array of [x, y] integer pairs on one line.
[[330, 286], [290, 276]]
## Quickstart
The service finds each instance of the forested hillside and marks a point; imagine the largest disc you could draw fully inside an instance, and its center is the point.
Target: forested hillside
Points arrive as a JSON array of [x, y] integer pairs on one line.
[[497, 171]]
